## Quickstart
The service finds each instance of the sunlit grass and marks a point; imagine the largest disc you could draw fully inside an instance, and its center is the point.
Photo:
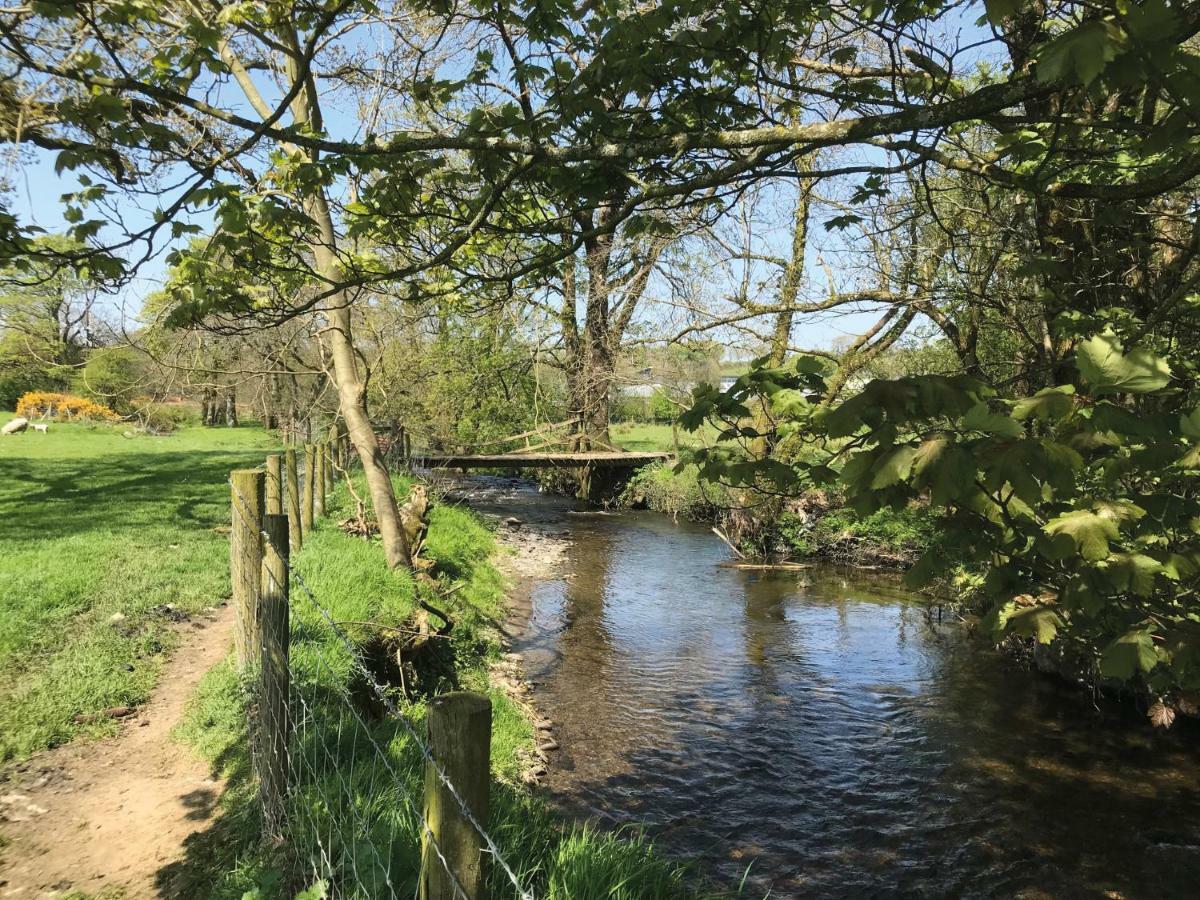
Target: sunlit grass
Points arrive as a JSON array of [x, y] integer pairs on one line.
[[99, 529], [651, 437]]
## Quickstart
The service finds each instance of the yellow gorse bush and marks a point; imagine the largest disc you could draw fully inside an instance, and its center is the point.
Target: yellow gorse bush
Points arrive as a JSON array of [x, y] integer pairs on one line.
[[62, 408]]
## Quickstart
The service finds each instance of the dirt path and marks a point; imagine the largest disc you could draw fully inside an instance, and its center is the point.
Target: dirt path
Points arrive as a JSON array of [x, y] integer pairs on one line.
[[110, 815]]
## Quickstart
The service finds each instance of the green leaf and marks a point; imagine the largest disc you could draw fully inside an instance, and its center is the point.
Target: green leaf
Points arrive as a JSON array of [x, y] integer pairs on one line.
[[1129, 654], [945, 469], [1040, 622], [1134, 572], [979, 418], [1077, 55], [999, 10], [893, 466], [1048, 404], [1109, 370], [1090, 531]]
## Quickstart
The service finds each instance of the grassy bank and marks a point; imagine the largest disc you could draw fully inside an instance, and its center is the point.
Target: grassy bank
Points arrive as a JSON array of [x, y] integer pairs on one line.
[[356, 768], [106, 538], [815, 525]]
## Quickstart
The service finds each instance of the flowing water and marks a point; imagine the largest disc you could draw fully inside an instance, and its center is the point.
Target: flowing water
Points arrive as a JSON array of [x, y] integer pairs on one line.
[[823, 733]]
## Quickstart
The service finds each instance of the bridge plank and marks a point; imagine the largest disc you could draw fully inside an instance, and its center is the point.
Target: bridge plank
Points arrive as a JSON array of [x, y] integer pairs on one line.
[[595, 459]]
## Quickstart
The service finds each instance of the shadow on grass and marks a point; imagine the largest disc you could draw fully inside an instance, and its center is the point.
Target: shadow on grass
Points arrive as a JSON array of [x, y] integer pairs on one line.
[[54, 498]]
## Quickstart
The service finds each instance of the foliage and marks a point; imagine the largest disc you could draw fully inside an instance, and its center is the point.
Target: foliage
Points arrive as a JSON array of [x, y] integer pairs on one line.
[[677, 492], [104, 541], [63, 408], [46, 300], [20, 375], [837, 532], [1080, 500], [114, 377]]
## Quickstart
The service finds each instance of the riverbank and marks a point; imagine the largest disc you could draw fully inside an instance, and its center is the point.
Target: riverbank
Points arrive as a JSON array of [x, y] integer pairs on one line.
[[228, 859], [817, 525]]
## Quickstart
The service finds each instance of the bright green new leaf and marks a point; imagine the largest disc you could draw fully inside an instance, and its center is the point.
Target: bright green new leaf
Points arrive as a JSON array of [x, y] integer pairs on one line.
[[1090, 531], [1129, 654], [1048, 404], [1109, 370], [945, 469], [1040, 622], [1134, 572]]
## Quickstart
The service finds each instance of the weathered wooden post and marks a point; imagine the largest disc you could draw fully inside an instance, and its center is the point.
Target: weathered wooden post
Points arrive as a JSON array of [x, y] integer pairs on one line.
[[319, 482], [245, 559], [295, 535], [310, 483], [331, 464], [460, 732], [274, 485], [273, 721]]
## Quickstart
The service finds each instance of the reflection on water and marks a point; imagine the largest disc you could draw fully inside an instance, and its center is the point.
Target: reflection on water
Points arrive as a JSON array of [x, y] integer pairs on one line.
[[820, 731]]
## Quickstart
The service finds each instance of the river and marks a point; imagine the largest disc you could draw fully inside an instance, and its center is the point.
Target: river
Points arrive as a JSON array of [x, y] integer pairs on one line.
[[819, 734]]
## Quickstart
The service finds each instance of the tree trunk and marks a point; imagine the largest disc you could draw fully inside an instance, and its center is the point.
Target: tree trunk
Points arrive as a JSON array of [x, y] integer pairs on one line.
[[352, 399]]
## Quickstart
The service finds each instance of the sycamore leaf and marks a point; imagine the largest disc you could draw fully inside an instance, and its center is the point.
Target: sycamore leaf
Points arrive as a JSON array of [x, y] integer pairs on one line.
[[1109, 370], [1077, 55], [1161, 715], [893, 466], [1040, 622], [999, 10], [1189, 423], [1134, 572], [979, 418], [1049, 404], [1090, 531], [1129, 654], [1118, 510], [945, 469]]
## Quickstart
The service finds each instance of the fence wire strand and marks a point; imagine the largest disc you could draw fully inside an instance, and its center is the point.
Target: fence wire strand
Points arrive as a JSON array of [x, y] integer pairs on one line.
[[301, 728]]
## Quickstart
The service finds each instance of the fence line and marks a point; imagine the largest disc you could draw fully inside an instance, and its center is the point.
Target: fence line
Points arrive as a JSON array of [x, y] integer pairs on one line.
[[304, 726]]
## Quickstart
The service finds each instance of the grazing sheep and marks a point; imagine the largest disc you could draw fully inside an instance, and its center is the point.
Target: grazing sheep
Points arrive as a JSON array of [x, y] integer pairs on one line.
[[40, 426], [16, 426]]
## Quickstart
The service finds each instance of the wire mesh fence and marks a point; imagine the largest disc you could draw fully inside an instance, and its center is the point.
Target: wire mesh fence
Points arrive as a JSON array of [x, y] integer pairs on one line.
[[347, 777]]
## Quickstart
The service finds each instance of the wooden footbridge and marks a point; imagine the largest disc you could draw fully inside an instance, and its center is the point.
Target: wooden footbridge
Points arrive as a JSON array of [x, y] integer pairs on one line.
[[617, 459], [547, 447]]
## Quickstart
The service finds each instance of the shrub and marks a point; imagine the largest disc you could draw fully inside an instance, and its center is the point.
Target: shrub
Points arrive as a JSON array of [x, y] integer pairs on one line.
[[62, 408], [159, 418], [17, 382], [112, 377]]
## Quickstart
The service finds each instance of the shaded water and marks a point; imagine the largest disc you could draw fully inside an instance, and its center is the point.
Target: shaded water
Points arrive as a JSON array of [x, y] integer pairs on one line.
[[819, 730]]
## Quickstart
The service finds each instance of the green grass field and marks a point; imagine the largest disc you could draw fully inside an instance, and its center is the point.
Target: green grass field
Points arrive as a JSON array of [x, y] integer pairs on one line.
[[655, 437], [98, 533]]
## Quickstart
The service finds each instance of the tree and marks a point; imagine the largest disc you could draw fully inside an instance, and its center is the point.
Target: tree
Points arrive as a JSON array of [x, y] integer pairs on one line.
[[556, 121]]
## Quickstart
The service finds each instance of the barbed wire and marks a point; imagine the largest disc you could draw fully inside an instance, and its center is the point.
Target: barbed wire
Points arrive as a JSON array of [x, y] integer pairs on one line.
[[311, 715], [396, 715]]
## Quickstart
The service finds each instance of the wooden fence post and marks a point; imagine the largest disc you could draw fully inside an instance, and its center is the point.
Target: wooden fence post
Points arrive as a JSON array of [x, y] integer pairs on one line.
[[460, 733], [295, 535], [273, 721], [245, 559], [310, 483], [319, 483], [331, 464], [274, 485]]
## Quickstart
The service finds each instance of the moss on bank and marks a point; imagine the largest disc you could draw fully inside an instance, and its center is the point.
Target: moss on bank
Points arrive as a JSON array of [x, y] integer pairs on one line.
[[350, 803]]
